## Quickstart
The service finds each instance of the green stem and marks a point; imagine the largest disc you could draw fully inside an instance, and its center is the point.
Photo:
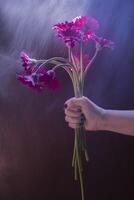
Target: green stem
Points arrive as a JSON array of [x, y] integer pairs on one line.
[[86, 155], [72, 74], [90, 63], [84, 144], [75, 170], [81, 61], [41, 61], [58, 59], [74, 152], [69, 53], [73, 61], [79, 164], [61, 65], [61, 59], [51, 61]]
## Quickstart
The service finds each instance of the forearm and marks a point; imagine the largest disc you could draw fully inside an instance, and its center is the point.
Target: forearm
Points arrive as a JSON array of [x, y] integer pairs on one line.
[[118, 121]]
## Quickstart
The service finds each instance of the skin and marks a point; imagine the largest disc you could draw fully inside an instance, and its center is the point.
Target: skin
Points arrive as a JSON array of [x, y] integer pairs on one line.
[[82, 111]]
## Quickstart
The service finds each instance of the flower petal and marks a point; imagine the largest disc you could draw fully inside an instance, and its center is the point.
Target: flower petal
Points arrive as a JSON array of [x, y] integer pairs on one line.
[[49, 80], [87, 25], [29, 80], [68, 32], [102, 41]]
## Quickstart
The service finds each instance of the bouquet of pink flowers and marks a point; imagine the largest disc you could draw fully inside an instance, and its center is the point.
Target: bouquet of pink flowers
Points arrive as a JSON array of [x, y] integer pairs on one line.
[[41, 74]]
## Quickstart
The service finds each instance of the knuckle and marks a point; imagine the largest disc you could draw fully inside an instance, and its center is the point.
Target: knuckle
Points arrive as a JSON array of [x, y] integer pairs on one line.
[[85, 100], [65, 111], [69, 101], [72, 101], [70, 125]]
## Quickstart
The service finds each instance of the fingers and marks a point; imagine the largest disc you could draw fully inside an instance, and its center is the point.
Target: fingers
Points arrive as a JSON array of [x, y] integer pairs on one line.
[[74, 117], [91, 113], [73, 102], [73, 120], [81, 102], [73, 112], [74, 125]]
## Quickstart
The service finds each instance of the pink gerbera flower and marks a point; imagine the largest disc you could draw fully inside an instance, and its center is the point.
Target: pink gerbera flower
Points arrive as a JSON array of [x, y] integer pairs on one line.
[[40, 79], [31, 81], [68, 32], [49, 80], [87, 25]]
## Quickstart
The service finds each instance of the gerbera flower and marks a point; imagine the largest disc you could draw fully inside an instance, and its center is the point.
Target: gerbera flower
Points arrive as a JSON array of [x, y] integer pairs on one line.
[[31, 81], [87, 25], [102, 42], [27, 62], [49, 80], [68, 32], [40, 79]]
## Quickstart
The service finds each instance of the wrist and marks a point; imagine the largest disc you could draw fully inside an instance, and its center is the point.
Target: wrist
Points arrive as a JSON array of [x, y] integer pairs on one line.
[[101, 122]]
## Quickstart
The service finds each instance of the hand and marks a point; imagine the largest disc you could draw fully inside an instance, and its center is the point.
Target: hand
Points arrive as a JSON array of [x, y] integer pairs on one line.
[[82, 111]]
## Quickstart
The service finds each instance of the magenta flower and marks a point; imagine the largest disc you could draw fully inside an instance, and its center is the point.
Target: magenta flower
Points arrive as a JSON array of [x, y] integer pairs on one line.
[[31, 81], [102, 42], [68, 32], [40, 79], [49, 80], [27, 62], [87, 25], [79, 29], [25, 58]]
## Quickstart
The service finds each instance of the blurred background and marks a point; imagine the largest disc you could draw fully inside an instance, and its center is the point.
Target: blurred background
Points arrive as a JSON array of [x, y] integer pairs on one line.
[[35, 143]]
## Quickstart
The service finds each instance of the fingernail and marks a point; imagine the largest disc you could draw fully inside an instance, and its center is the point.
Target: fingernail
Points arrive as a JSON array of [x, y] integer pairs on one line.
[[65, 105], [82, 116], [82, 120]]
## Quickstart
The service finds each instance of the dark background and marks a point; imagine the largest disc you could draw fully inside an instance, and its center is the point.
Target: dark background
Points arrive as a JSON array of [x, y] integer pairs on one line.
[[35, 143]]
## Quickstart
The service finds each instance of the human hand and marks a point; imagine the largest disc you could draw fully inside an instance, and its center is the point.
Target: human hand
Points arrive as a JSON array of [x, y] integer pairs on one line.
[[82, 111]]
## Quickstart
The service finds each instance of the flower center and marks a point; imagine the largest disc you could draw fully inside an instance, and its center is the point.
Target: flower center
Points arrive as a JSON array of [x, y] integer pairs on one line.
[[70, 32], [35, 77]]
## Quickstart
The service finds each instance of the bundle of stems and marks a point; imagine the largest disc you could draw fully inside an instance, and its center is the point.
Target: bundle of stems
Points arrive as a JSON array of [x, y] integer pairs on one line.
[[80, 148]]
